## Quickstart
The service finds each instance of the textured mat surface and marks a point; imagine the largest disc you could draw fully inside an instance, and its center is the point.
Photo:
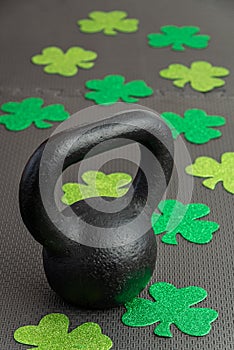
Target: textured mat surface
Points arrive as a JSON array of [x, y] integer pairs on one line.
[[24, 293]]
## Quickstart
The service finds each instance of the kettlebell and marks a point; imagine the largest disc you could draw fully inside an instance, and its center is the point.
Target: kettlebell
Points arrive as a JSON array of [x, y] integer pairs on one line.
[[93, 258]]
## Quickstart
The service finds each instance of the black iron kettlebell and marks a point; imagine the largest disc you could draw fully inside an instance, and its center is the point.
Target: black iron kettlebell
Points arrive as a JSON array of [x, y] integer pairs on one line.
[[93, 258]]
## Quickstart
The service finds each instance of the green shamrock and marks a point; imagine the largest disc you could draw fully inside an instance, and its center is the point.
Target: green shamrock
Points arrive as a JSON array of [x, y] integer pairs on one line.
[[196, 125], [178, 37], [112, 88], [108, 22], [52, 334], [97, 184], [215, 171], [201, 75], [66, 64], [172, 306], [179, 218], [23, 114]]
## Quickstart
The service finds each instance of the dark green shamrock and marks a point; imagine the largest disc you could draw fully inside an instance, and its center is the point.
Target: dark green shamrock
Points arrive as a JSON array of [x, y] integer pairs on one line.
[[196, 125], [97, 184], [23, 114], [52, 334], [108, 22], [172, 306], [180, 218], [178, 37], [112, 88]]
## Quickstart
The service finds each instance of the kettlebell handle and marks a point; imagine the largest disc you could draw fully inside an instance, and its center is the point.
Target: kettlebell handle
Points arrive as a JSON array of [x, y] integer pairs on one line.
[[71, 146]]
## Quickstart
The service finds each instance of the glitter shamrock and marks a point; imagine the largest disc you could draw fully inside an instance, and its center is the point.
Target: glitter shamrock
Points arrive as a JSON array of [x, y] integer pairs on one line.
[[113, 87], [172, 306], [66, 64], [30, 111], [196, 125], [108, 22], [215, 171], [178, 37], [178, 218], [201, 75], [52, 334], [97, 184]]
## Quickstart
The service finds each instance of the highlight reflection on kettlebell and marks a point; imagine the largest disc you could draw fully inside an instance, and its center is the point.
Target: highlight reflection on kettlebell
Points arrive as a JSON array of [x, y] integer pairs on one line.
[[93, 275]]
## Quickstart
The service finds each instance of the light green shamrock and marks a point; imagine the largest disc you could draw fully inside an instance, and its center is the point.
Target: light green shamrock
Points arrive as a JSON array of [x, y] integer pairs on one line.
[[113, 87], [201, 75], [177, 37], [108, 22], [97, 184], [171, 306], [196, 125], [52, 334], [66, 64], [215, 171], [30, 111], [182, 218]]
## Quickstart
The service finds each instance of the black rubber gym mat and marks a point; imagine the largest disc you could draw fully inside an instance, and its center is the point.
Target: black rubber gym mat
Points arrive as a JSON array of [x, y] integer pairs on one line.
[[28, 26]]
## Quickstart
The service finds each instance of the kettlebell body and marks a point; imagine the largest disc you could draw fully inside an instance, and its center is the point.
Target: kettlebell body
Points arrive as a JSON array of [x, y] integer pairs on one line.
[[93, 258], [102, 277]]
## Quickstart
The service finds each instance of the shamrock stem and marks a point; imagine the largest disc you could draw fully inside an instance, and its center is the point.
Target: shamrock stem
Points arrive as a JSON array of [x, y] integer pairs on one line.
[[211, 182], [170, 238], [178, 47], [110, 31], [163, 330]]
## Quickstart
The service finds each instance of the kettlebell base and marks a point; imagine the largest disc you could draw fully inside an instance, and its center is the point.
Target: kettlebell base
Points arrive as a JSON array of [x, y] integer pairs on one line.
[[86, 284]]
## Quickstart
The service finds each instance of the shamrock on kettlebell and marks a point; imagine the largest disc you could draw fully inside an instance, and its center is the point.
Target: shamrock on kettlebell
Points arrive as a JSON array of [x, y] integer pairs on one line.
[[97, 184], [171, 306]]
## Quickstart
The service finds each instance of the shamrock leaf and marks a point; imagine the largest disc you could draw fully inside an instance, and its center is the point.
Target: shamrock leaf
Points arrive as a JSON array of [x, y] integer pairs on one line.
[[112, 88], [172, 306], [66, 64], [215, 171], [52, 334], [201, 75], [179, 218], [177, 37], [97, 184], [108, 22], [22, 114], [196, 125]]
